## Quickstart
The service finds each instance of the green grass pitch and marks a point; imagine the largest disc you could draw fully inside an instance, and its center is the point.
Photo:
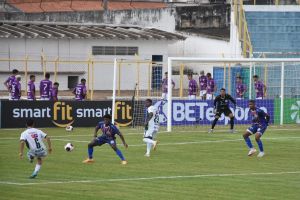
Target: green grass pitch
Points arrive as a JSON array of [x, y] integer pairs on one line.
[[188, 164]]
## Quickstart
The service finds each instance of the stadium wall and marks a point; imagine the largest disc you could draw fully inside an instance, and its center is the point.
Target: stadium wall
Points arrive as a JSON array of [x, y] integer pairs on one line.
[[78, 50]]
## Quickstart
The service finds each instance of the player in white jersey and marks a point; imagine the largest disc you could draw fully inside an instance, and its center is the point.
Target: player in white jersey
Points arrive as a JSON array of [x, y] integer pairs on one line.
[[33, 138], [151, 126]]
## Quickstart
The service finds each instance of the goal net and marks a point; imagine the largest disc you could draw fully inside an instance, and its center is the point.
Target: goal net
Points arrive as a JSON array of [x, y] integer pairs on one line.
[[137, 80], [274, 83], [134, 82]]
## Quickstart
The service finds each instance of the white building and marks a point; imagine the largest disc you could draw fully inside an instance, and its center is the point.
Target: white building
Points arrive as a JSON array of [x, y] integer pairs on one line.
[[74, 44]]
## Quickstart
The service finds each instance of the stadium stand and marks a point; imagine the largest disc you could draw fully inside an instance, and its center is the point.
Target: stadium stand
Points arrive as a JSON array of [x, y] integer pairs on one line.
[[274, 31]]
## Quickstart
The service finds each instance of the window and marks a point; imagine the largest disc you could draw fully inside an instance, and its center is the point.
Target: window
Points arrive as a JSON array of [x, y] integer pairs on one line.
[[111, 50], [72, 81]]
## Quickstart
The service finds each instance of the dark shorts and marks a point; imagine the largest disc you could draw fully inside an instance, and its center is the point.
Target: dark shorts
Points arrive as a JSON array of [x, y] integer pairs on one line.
[[226, 112], [257, 129], [105, 140]]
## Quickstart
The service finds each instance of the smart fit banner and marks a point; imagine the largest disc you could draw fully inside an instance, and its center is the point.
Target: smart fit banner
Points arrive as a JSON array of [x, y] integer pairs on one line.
[[62, 113]]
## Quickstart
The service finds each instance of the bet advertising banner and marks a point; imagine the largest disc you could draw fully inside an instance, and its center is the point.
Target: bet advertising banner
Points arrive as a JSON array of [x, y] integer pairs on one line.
[[62, 113], [193, 112], [291, 111]]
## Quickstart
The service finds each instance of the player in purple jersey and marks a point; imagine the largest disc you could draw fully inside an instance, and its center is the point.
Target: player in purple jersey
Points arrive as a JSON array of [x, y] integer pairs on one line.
[[16, 89], [46, 87], [31, 88], [240, 88], [54, 91], [203, 85], [260, 122], [260, 88], [193, 87], [80, 90], [10, 80], [108, 137], [164, 86], [211, 87]]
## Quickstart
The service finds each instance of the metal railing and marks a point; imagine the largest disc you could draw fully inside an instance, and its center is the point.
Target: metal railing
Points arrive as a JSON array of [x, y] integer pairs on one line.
[[242, 27]]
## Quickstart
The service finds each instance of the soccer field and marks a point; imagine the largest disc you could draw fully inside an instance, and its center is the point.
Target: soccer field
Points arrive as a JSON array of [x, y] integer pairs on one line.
[[188, 164]]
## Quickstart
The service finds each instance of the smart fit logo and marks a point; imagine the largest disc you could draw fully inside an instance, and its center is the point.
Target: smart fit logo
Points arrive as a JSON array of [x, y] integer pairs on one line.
[[62, 114], [123, 114]]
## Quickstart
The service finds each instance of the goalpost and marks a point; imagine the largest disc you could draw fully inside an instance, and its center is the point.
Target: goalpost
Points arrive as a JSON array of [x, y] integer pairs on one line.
[[134, 81], [282, 75]]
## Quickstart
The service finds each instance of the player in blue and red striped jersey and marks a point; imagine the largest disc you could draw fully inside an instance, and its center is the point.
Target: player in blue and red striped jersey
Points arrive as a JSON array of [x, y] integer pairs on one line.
[[109, 131], [260, 122]]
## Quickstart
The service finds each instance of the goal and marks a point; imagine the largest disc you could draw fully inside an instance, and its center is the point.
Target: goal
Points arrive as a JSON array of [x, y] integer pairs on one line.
[[281, 100], [135, 81]]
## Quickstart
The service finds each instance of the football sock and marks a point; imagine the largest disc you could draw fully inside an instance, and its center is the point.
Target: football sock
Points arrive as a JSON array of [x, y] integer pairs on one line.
[[149, 145], [260, 145], [214, 123], [90, 152], [37, 168], [231, 123], [248, 142], [147, 140], [119, 153]]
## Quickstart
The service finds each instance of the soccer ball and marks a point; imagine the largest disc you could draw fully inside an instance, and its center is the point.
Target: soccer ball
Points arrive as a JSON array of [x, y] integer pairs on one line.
[[69, 147], [69, 128]]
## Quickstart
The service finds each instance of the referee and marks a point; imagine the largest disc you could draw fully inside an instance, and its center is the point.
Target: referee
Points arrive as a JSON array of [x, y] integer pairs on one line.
[[221, 105]]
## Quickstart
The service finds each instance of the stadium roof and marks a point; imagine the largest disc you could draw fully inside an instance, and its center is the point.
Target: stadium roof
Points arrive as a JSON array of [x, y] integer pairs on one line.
[[10, 29], [40, 6]]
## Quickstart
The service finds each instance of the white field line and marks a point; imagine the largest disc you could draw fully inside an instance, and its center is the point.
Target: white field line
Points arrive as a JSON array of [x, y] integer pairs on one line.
[[141, 133], [175, 143], [185, 143], [150, 178]]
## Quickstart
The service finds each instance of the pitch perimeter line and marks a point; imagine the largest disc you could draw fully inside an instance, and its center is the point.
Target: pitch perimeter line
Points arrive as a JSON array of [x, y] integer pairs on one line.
[[161, 132], [175, 143], [150, 178], [184, 143]]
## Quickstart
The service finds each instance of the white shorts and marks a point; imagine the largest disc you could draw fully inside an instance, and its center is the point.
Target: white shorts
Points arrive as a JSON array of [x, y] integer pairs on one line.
[[45, 99], [239, 98], [202, 93], [259, 98], [150, 133], [37, 153], [192, 97], [209, 96], [164, 96]]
